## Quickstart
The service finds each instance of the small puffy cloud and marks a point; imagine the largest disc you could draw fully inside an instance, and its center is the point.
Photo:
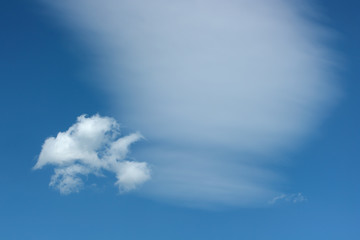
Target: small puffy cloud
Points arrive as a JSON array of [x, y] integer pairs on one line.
[[130, 174], [90, 146], [292, 198]]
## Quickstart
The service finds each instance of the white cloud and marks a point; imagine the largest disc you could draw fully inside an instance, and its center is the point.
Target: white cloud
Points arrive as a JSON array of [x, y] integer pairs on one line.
[[220, 88], [292, 198], [90, 146], [130, 174]]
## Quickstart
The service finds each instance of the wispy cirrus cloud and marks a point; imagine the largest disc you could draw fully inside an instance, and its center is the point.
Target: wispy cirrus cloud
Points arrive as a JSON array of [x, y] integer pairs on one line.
[[291, 198], [92, 145], [220, 88]]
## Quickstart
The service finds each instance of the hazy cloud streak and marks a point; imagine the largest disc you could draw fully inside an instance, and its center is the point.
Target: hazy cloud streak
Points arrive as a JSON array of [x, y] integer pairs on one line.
[[291, 198], [219, 88]]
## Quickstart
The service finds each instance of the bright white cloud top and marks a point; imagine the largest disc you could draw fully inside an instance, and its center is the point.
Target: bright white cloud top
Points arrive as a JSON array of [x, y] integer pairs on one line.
[[92, 145], [220, 88]]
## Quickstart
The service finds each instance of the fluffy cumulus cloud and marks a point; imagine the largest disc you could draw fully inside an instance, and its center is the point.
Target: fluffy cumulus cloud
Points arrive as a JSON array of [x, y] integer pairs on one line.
[[92, 145], [220, 88]]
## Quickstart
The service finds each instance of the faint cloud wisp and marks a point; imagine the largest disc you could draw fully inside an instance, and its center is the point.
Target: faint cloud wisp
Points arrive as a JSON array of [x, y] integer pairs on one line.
[[291, 198]]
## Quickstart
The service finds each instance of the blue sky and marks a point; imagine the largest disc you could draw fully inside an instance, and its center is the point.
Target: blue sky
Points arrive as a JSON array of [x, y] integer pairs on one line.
[[51, 73]]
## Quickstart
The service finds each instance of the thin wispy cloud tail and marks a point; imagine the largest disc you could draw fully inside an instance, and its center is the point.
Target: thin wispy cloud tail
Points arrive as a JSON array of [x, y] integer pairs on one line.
[[289, 198]]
